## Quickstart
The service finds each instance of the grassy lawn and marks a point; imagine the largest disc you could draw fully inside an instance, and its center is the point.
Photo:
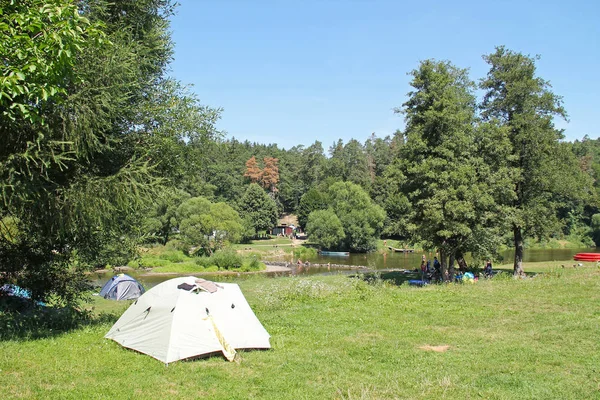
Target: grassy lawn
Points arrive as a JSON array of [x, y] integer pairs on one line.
[[340, 337]]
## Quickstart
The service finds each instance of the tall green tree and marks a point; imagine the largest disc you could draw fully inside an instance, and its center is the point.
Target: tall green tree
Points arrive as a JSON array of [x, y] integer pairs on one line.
[[313, 200], [291, 187], [88, 133], [361, 219], [313, 165], [336, 164], [525, 105], [325, 229], [259, 208], [444, 176], [207, 226], [161, 221]]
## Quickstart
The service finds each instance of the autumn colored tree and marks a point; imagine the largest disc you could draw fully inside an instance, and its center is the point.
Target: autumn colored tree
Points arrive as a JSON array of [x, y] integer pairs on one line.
[[270, 174], [253, 171]]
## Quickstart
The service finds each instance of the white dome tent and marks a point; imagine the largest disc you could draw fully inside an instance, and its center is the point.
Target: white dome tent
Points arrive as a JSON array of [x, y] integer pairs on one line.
[[189, 317]]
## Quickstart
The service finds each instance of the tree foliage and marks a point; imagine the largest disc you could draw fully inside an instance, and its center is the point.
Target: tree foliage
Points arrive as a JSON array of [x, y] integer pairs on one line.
[[253, 171], [161, 221], [270, 174], [258, 208], [207, 227], [89, 134], [361, 219], [449, 170], [525, 105], [325, 229], [312, 200]]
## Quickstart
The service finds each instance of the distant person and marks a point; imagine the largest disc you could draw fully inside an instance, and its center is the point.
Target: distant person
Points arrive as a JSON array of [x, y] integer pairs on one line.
[[437, 269], [487, 270], [436, 264]]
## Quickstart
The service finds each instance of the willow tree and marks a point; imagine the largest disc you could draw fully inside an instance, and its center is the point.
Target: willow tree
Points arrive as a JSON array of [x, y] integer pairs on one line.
[[543, 174], [443, 173], [88, 128]]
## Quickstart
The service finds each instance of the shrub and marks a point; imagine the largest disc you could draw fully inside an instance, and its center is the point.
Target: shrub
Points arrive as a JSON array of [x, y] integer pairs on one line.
[[226, 259], [203, 261], [304, 252], [175, 256], [176, 244], [253, 265]]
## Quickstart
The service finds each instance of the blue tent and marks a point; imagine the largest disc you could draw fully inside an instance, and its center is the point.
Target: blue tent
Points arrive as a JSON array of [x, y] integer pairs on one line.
[[122, 287]]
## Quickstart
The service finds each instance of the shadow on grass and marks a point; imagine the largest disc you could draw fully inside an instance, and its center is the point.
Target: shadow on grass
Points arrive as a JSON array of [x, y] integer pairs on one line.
[[21, 320], [505, 273], [402, 277], [393, 277]]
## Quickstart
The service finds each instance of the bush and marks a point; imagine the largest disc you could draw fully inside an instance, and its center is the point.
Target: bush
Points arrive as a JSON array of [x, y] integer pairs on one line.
[[227, 259], [253, 265], [203, 261], [174, 256], [304, 252], [176, 244]]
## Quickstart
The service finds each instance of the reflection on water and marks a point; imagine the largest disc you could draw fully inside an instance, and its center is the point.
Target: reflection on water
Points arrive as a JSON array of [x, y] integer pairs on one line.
[[381, 261]]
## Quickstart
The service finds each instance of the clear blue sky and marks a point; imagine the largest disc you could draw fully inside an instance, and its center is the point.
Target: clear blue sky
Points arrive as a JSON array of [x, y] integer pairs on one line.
[[292, 72]]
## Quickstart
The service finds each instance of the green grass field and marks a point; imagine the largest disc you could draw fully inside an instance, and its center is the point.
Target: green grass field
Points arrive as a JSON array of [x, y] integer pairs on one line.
[[337, 337]]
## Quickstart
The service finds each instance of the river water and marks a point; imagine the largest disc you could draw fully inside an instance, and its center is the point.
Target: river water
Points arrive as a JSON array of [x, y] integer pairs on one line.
[[372, 261], [413, 260]]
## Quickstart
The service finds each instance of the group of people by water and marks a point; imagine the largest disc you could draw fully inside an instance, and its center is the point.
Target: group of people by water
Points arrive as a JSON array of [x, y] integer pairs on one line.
[[429, 273]]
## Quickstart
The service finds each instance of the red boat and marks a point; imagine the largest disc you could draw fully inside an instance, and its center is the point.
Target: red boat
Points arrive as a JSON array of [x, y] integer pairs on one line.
[[590, 257]]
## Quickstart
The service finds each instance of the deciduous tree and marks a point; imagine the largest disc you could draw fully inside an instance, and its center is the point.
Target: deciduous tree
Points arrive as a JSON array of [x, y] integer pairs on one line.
[[208, 226], [361, 219], [259, 208], [86, 120], [325, 229], [524, 104], [446, 177]]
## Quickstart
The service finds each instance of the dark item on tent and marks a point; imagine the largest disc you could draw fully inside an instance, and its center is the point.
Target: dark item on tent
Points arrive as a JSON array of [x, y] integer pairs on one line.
[[186, 286]]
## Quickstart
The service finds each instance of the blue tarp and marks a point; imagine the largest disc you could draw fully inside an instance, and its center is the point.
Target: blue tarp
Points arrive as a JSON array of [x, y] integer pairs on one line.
[[17, 291]]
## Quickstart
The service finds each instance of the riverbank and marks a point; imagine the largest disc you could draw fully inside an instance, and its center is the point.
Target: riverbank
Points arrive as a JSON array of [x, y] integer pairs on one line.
[[284, 267]]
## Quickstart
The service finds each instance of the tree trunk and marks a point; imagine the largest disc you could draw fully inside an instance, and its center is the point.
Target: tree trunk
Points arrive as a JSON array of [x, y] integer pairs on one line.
[[444, 265], [451, 267], [462, 264], [518, 266]]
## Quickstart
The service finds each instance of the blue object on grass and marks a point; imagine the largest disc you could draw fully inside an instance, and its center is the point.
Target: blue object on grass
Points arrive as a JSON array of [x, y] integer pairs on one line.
[[17, 291]]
